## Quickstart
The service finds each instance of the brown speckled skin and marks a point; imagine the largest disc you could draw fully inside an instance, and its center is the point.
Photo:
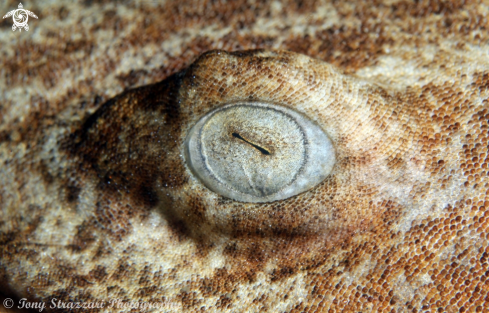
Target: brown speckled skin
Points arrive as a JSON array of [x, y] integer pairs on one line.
[[97, 202]]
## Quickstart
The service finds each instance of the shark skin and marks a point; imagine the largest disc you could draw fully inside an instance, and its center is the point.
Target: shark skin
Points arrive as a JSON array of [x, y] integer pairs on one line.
[[99, 207]]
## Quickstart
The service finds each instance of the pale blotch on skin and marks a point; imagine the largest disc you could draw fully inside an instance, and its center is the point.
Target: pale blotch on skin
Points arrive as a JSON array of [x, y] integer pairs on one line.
[[258, 152]]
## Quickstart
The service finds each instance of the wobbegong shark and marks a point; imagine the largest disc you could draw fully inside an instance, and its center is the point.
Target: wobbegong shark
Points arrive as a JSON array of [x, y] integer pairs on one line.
[[244, 156]]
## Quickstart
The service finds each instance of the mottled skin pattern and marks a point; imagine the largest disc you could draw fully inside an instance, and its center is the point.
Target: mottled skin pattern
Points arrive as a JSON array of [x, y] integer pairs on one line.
[[97, 202]]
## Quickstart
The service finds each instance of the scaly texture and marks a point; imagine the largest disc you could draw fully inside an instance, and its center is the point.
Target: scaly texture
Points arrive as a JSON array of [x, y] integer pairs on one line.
[[97, 202]]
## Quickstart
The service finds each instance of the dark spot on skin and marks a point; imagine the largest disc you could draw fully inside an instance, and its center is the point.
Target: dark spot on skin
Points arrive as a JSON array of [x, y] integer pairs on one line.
[[426, 8], [84, 237], [4, 136], [122, 271], [172, 212], [148, 196], [6, 23], [132, 78], [72, 193], [63, 13], [146, 291], [97, 100], [281, 273], [89, 3], [481, 81], [81, 281], [98, 274], [7, 237]]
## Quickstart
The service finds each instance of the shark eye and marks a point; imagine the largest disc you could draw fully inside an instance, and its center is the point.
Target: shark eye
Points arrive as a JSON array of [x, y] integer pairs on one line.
[[258, 152]]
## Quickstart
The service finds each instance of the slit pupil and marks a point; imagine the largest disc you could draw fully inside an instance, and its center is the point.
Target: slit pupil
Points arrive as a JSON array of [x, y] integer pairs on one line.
[[262, 150]]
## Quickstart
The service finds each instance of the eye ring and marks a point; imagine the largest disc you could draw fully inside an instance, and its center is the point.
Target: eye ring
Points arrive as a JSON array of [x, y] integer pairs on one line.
[[258, 152]]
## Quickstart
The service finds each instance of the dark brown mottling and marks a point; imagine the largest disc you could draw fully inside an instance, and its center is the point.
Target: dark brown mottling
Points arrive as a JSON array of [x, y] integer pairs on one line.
[[97, 203]]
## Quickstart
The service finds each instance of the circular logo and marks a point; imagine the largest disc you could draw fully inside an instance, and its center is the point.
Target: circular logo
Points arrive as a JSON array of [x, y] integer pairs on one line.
[[8, 303], [20, 18]]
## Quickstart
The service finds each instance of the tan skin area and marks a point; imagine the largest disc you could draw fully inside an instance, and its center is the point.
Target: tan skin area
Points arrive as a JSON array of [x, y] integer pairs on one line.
[[97, 202]]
